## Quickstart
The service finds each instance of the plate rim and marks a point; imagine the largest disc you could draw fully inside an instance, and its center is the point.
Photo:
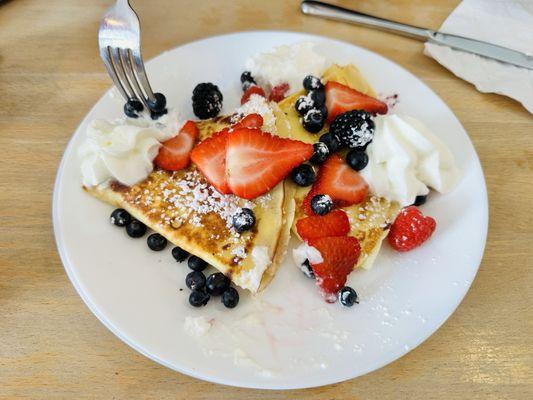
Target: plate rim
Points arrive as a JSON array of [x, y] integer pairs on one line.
[[67, 265]]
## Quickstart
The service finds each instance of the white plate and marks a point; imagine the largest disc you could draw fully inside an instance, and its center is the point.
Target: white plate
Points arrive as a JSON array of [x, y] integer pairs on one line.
[[287, 337]]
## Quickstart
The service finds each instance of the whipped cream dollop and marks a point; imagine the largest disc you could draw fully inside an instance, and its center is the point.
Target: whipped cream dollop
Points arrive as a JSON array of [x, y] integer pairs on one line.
[[251, 279], [286, 64], [259, 105], [406, 159], [305, 252], [123, 149]]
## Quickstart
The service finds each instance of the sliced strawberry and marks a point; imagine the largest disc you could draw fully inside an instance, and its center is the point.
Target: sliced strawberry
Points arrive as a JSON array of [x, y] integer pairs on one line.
[[175, 153], [306, 205], [410, 229], [257, 161], [336, 179], [335, 223], [249, 121], [340, 255], [210, 158], [254, 89], [341, 98], [278, 92]]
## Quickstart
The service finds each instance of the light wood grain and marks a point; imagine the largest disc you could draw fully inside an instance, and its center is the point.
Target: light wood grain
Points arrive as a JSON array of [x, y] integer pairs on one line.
[[51, 346]]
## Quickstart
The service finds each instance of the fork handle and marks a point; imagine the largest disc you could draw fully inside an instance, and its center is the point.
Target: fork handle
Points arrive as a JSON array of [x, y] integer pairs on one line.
[[330, 11]]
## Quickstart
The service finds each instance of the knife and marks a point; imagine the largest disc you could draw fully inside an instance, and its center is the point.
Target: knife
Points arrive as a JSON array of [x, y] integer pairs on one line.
[[484, 49]]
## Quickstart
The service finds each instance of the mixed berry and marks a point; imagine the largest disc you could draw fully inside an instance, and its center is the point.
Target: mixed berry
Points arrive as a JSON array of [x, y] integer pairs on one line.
[[206, 100], [303, 175], [243, 220], [245, 161]]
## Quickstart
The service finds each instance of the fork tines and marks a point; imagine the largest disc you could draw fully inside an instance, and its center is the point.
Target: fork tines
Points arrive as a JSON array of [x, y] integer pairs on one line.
[[126, 69]]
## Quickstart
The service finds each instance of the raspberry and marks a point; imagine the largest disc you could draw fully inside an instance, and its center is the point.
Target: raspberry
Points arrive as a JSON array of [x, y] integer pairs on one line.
[[410, 229]]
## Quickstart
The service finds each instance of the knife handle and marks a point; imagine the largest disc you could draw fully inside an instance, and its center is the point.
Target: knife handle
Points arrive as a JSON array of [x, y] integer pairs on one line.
[[330, 11]]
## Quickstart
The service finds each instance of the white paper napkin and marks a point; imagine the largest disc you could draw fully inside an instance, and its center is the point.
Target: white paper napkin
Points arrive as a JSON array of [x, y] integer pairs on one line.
[[507, 23]]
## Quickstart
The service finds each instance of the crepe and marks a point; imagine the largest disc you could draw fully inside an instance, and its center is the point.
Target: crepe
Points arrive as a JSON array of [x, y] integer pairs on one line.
[[370, 220], [184, 208]]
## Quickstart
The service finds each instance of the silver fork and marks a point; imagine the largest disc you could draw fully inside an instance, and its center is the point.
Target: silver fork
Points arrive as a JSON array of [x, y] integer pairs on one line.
[[119, 39]]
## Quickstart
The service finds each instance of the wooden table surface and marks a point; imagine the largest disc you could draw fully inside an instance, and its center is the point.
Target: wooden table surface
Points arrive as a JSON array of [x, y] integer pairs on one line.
[[52, 346]]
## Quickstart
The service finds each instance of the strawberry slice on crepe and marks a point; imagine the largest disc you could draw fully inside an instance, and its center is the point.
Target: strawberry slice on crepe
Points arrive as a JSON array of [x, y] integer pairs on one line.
[[340, 255], [341, 98], [175, 153], [257, 161], [336, 179]]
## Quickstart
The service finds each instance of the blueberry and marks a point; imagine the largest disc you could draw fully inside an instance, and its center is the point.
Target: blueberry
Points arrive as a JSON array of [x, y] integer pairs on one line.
[[312, 83], [303, 105], [230, 297], [132, 108], [195, 280], [332, 141], [348, 296], [243, 220], [135, 229], [155, 115], [303, 175], [120, 217], [318, 97], [198, 298], [217, 283], [307, 270], [321, 204], [156, 242], [313, 120], [357, 159], [320, 153], [419, 200], [196, 263], [179, 254], [246, 76], [158, 103]]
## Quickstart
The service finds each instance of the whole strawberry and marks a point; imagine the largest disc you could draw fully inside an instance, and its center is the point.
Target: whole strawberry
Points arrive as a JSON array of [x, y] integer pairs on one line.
[[410, 229]]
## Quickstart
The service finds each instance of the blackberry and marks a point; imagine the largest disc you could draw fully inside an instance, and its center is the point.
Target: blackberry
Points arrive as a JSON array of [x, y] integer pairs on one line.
[[206, 100], [354, 129]]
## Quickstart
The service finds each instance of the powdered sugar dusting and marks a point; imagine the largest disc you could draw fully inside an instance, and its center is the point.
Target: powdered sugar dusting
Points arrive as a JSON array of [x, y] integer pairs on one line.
[[189, 198], [258, 105]]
